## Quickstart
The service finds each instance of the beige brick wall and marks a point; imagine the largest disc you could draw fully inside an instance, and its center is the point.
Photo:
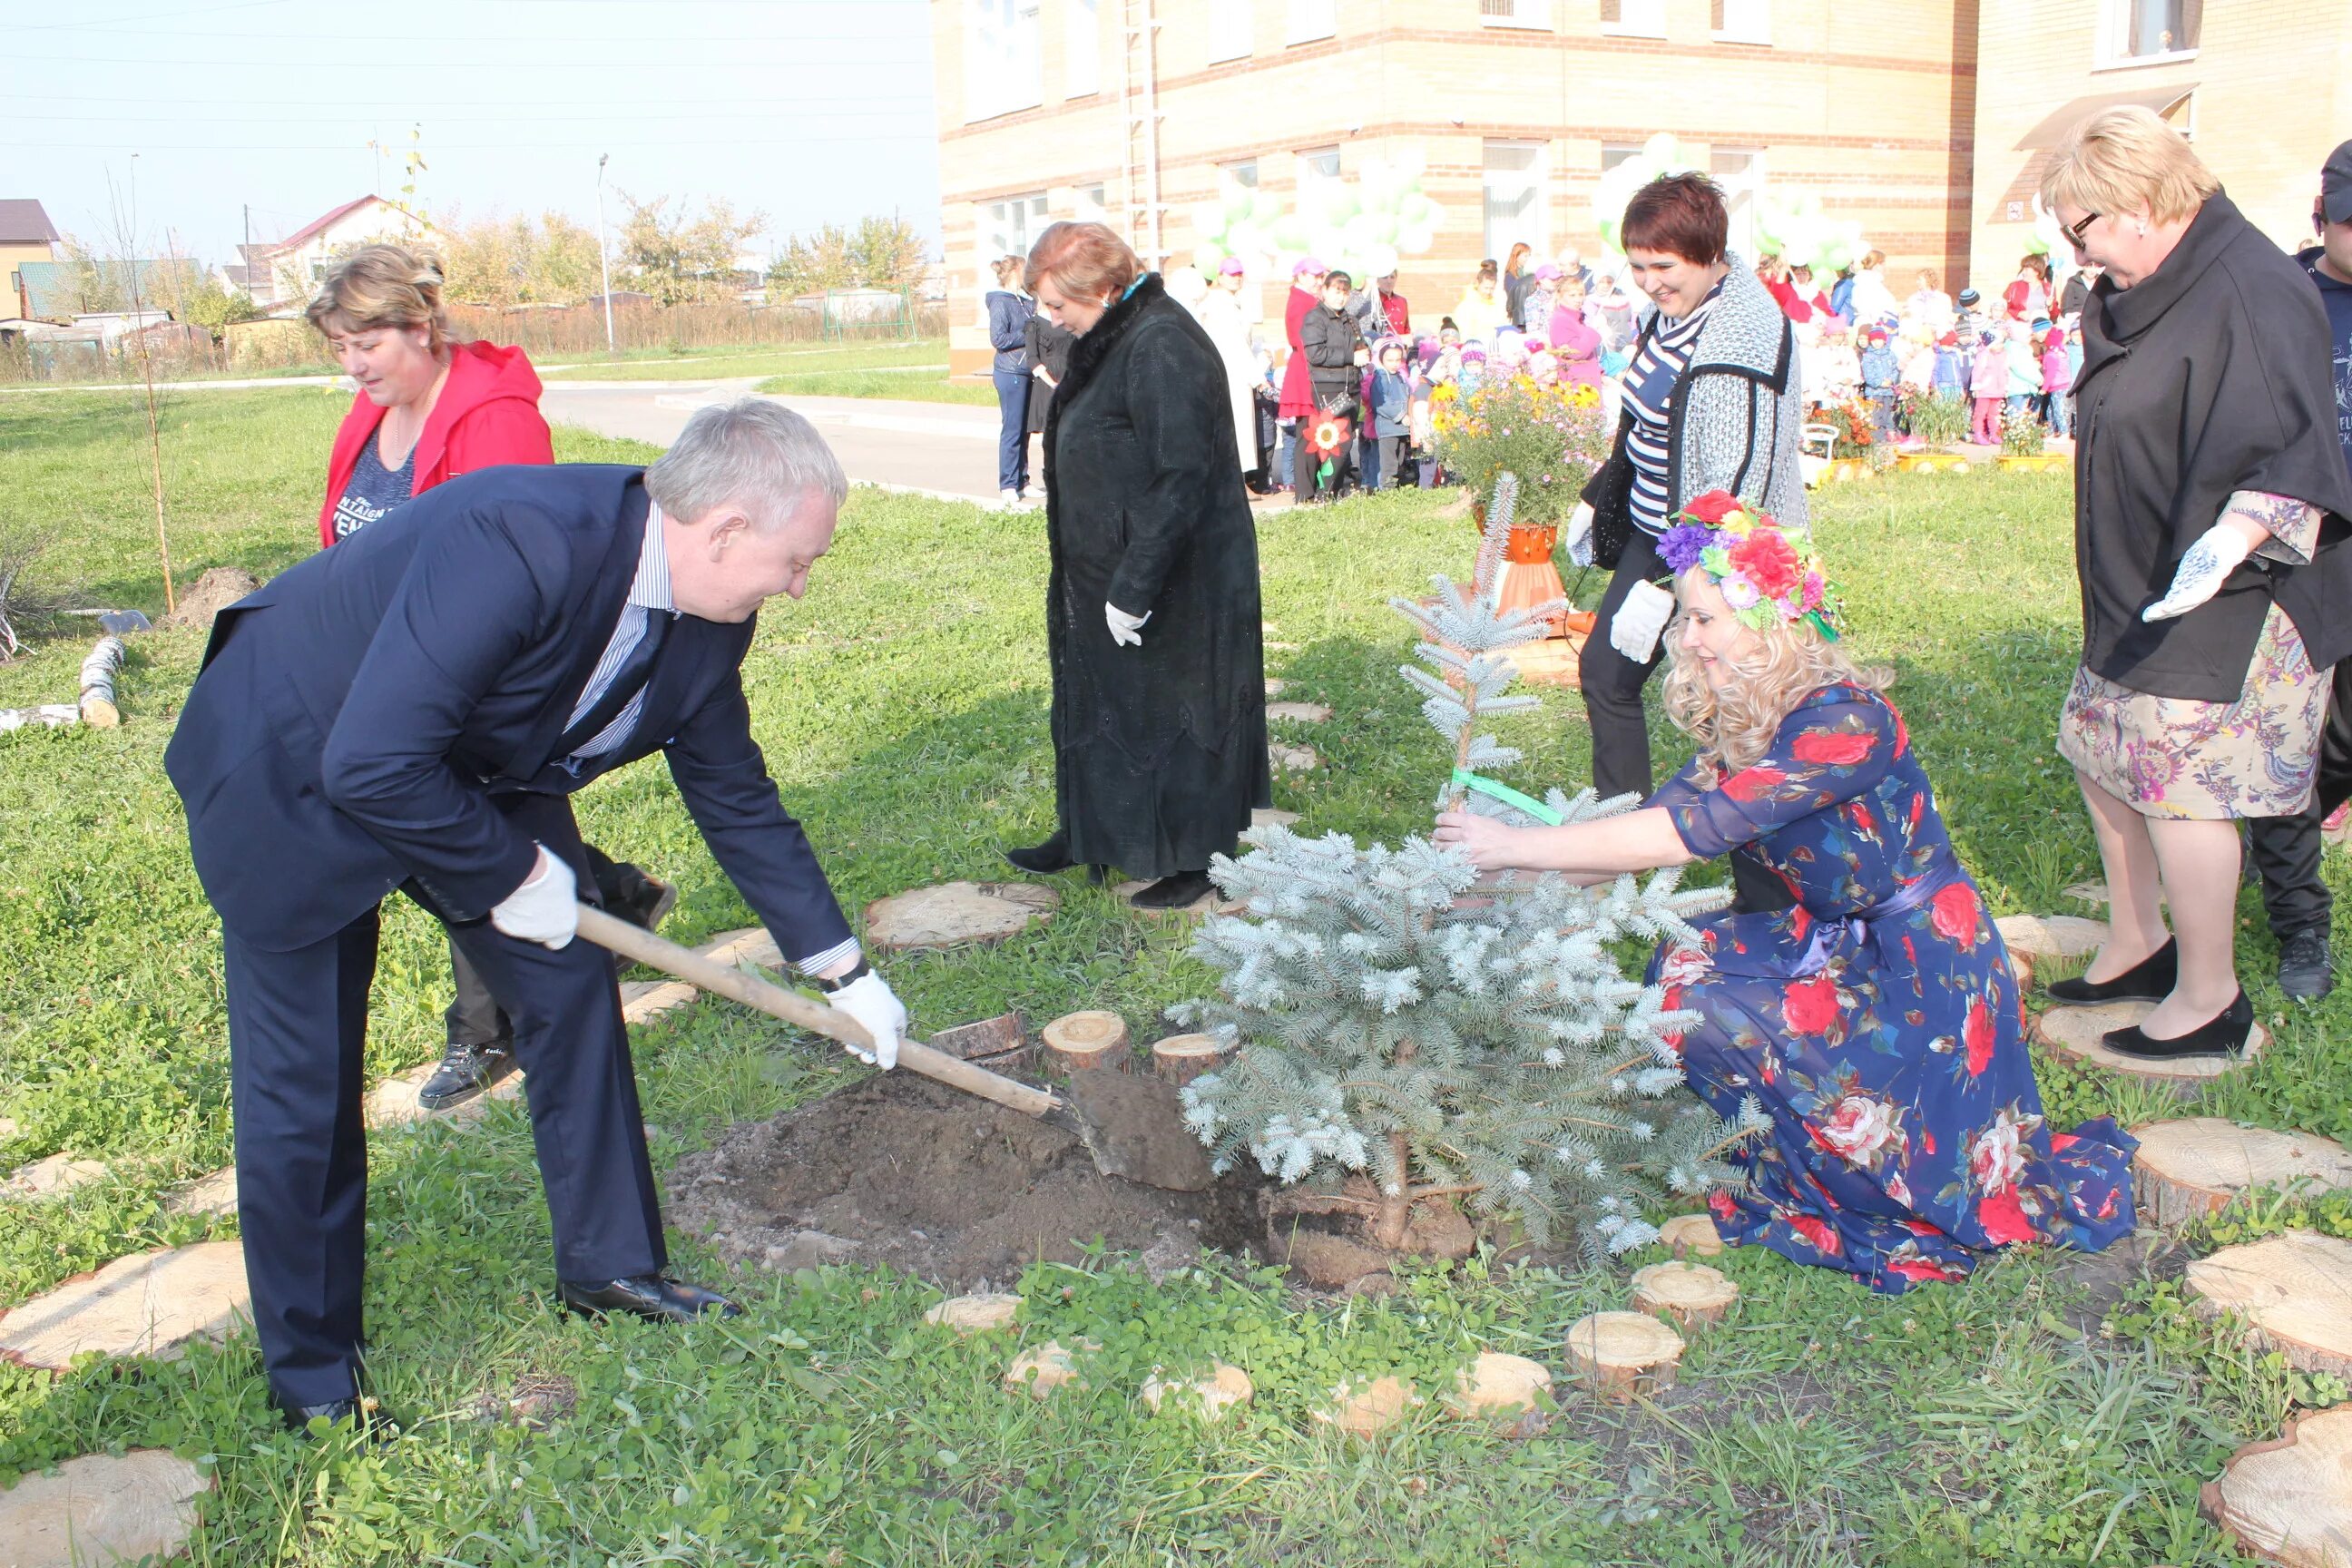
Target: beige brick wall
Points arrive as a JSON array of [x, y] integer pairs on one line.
[[1865, 102], [2273, 93]]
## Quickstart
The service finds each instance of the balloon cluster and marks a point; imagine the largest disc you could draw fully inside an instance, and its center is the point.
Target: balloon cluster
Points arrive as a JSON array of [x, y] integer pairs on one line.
[[1792, 226], [1661, 155], [2047, 236], [1363, 225]]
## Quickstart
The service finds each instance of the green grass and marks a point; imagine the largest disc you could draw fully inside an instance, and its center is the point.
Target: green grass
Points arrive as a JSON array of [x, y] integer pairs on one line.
[[902, 707]]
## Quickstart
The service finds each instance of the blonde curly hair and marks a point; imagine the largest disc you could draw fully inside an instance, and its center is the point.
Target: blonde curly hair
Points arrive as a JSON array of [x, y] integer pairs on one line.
[[1777, 669]]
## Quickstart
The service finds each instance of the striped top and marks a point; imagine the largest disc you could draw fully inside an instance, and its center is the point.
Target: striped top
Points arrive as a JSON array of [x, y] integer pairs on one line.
[[1650, 383]]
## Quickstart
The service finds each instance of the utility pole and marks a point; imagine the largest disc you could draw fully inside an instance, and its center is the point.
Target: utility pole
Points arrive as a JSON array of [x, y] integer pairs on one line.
[[603, 254], [244, 251]]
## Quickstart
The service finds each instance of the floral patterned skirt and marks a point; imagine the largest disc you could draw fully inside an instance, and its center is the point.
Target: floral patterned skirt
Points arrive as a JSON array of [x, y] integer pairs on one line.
[[2175, 757]]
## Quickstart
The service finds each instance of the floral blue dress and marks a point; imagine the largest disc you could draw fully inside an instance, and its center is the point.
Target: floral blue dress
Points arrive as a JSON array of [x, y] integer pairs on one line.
[[1875, 1020]]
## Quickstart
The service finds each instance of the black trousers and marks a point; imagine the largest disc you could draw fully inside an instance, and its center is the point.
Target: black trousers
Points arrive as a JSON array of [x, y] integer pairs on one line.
[[298, 1025], [1613, 683], [2285, 849], [474, 1015], [1304, 464]]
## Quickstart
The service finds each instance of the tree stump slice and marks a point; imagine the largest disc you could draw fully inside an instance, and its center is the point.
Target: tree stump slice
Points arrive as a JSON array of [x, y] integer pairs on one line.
[[101, 1509], [1041, 1368], [2063, 937], [1180, 1058], [213, 1195], [151, 1304], [1624, 1356], [1298, 712], [98, 706], [2076, 1031], [976, 1314], [2294, 1292], [956, 913], [1087, 1042], [2289, 1500], [1268, 816], [2191, 1168], [1291, 758], [1369, 1409], [1692, 1294], [2021, 966], [989, 1039], [53, 1177], [1221, 1389], [1274, 688], [1691, 1236], [1500, 1384]]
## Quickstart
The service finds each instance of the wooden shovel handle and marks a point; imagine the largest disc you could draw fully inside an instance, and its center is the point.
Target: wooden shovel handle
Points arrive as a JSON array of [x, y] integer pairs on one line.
[[635, 942]]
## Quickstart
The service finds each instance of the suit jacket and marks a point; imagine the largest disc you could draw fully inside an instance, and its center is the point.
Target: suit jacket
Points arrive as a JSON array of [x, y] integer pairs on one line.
[[357, 716]]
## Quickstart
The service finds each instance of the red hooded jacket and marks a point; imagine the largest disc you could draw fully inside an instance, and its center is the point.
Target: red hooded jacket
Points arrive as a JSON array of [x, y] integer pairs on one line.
[[487, 414]]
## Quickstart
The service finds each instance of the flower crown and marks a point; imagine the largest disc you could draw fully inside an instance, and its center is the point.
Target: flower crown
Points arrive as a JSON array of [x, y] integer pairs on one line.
[[1767, 571]]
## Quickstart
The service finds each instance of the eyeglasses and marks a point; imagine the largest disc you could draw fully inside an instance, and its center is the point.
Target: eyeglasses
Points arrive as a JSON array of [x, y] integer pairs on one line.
[[2074, 231]]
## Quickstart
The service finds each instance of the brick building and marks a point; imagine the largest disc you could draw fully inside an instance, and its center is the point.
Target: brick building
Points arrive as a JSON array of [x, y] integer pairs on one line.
[[1053, 108], [2262, 88]]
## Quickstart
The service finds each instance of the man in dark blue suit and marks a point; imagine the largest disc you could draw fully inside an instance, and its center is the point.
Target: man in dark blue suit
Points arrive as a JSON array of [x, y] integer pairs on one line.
[[412, 709]]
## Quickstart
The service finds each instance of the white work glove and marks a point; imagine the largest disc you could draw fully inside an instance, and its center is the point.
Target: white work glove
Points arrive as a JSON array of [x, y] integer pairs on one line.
[[544, 909], [2200, 572], [1580, 534], [1125, 629], [1633, 631], [870, 1001]]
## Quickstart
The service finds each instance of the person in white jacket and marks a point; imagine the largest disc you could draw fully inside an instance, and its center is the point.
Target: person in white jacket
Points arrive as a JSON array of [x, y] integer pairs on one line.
[[1228, 320]]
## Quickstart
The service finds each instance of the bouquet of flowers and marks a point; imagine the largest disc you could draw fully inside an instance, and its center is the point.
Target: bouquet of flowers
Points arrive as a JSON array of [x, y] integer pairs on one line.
[[1854, 428], [1552, 438], [2020, 434], [1768, 569]]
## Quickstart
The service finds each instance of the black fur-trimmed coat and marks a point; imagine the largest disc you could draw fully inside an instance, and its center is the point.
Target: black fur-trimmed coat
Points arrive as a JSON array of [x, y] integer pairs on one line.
[[1160, 750]]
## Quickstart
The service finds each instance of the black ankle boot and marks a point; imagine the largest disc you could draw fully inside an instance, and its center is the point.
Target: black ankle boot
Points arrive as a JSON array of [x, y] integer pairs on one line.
[[1176, 892], [2223, 1034], [2149, 980], [1043, 860]]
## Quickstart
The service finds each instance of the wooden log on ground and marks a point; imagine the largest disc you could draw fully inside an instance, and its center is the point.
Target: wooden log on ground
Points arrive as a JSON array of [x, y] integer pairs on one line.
[[98, 707], [985, 1040], [1692, 1294], [1624, 1356], [1087, 1042], [1691, 1236], [49, 715], [2293, 1291], [2190, 1168], [1180, 1058], [2289, 1500]]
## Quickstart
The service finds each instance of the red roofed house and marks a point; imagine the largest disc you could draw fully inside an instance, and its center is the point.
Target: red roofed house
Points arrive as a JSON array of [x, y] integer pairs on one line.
[[281, 276]]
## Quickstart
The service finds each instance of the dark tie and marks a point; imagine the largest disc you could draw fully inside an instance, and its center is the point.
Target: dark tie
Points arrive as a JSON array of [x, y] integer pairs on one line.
[[635, 669]]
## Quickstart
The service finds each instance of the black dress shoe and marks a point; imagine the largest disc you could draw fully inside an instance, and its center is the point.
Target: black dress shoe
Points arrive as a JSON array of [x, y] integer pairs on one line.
[[465, 1072], [647, 1296], [1182, 890], [336, 1412], [2149, 980], [2223, 1034], [1043, 860]]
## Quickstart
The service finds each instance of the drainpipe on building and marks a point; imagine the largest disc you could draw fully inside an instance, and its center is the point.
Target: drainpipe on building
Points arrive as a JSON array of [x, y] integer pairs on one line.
[[1152, 130]]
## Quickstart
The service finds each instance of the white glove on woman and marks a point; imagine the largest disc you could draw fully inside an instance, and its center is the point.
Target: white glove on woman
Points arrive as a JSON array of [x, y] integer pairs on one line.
[[870, 1001], [1125, 629], [1580, 534], [1633, 631], [2202, 572], [543, 909]]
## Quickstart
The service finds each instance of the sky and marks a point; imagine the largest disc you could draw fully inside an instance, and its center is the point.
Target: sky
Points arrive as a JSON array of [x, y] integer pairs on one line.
[[813, 111]]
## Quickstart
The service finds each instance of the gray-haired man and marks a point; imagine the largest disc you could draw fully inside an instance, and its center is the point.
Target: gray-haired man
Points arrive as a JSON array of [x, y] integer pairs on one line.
[[413, 709]]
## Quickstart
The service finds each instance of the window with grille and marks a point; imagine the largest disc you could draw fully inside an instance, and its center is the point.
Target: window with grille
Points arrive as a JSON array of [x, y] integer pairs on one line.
[[1313, 19], [1244, 174], [1514, 188], [1230, 26], [1514, 13]]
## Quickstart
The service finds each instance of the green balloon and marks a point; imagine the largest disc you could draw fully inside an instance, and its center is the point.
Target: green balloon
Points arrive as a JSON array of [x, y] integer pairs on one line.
[[1236, 205], [1383, 227], [1264, 208], [1290, 233]]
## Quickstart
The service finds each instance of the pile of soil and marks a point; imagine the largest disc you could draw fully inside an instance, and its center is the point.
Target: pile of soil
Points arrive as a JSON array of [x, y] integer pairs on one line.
[[209, 594], [904, 1172]]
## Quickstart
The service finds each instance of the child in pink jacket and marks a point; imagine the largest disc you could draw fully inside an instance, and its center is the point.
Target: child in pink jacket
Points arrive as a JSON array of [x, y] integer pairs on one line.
[[1989, 385], [2057, 380]]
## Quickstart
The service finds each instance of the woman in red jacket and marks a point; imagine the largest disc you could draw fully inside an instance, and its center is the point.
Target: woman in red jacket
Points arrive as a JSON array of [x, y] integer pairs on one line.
[[429, 409], [1297, 376]]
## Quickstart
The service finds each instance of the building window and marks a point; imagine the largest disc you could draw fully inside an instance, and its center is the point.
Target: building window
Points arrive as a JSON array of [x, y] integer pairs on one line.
[[1740, 172], [1093, 203], [1313, 19], [1615, 152], [1229, 29], [1011, 225], [1081, 48], [1514, 13], [1515, 197], [1634, 19], [2136, 32], [1742, 21], [1244, 174], [1003, 65]]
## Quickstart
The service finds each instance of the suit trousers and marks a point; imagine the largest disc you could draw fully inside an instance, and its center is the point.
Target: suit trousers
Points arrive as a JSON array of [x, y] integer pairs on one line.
[[1613, 683], [2285, 849], [474, 1015], [298, 1025]]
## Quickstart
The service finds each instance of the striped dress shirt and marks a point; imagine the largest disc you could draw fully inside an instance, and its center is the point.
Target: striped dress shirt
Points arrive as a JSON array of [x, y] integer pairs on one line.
[[1650, 383]]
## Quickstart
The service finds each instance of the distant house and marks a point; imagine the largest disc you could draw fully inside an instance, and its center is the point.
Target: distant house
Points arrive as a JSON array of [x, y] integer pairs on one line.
[[27, 234], [58, 290], [281, 274]]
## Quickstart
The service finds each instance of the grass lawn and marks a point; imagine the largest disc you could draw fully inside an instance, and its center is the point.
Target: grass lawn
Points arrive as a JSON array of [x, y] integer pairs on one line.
[[902, 707]]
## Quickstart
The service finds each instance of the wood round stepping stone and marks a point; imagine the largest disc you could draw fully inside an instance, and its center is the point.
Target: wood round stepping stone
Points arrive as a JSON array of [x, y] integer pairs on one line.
[[1369, 1409], [1273, 686], [1298, 712], [1209, 1395], [53, 1177], [152, 1304], [956, 913], [2294, 1291], [1624, 1356], [2077, 1032], [2041, 937], [2191, 1168], [976, 1314], [1268, 816], [1692, 1294], [1691, 1236], [212, 1195], [1500, 1384], [1291, 758], [2289, 1500], [102, 1508], [1041, 1368], [1180, 1058], [1087, 1042]]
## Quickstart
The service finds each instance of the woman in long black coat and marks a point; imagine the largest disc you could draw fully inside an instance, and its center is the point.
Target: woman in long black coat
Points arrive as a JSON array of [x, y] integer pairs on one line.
[[1153, 613]]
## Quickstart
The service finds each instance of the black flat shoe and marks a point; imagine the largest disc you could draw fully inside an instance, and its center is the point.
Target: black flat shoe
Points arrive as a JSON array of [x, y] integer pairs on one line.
[[335, 1412], [2224, 1035], [2149, 980], [1179, 891], [1043, 860], [647, 1296]]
